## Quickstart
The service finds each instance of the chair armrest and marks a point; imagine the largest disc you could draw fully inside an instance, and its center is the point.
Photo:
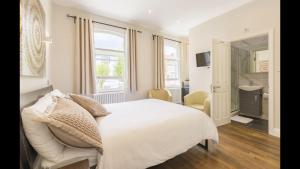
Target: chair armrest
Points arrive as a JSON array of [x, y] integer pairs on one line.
[[207, 106], [188, 99]]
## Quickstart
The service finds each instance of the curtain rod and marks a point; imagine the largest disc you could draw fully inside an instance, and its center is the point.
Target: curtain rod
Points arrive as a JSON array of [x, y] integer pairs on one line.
[[167, 39], [74, 17]]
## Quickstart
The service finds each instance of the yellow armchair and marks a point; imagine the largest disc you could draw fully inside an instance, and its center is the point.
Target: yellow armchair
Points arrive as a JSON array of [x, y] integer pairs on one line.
[[162, 94], [198, 100]]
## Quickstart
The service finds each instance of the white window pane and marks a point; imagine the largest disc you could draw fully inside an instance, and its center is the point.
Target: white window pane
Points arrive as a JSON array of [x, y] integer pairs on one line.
[[171, 69], [172, 83], [170, 52], [102, 68], [108, 41], [109, 60], [172, 64], [110, 66], [109, 84]]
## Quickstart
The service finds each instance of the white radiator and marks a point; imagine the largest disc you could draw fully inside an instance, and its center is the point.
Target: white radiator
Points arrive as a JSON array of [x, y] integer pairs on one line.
[[109, 97], [176, 95]]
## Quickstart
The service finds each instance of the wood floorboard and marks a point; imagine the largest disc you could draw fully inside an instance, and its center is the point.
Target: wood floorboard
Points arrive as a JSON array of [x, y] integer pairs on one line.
[[239, 148]]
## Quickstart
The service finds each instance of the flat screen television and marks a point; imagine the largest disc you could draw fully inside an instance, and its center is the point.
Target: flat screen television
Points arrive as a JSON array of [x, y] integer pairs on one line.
[[203, 59]]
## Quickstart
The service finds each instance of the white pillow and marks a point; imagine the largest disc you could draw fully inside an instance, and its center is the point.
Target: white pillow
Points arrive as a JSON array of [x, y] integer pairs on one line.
[[38, 133], [57, 93]]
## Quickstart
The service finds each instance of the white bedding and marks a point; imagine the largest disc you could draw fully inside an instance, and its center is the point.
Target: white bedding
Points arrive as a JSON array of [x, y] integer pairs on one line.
[[143, 133], [71, 155]]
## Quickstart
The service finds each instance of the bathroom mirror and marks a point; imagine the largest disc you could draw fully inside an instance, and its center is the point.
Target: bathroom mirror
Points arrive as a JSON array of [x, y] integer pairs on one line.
[[252, 54], [259, 61]]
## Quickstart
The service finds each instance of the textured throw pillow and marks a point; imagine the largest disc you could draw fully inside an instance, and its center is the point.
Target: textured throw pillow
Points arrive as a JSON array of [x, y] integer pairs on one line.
[[91, 105], [72, 125]]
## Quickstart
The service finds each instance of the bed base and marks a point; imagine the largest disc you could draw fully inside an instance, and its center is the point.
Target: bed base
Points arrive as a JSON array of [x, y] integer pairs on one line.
[[205, 146]]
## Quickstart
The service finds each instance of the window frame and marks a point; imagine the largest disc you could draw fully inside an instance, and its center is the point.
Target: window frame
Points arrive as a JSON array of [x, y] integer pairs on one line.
[[177, 59], [102, 51]]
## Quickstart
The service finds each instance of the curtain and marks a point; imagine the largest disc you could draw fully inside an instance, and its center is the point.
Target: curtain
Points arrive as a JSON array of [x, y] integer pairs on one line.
[[84, 57], [159, 62], [184, 69], [132, 61]]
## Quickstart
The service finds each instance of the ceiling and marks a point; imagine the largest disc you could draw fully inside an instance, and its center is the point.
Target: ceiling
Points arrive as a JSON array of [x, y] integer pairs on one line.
[[255, 43], [174, 17]]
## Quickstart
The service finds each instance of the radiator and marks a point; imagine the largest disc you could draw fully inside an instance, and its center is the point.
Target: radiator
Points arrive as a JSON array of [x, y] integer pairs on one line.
[[176, 95], [109, 97]]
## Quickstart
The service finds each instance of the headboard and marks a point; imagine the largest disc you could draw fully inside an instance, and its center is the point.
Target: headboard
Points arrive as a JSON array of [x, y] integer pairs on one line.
[[27, 153]]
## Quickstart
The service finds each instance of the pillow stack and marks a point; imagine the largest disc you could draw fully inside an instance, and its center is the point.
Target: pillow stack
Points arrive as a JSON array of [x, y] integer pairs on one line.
[[72, 125], [56, 120], [37, 133]]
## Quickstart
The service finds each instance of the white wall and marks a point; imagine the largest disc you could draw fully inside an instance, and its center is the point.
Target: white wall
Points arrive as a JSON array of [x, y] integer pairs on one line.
[[32, 83], [257, 16], [62, 48]]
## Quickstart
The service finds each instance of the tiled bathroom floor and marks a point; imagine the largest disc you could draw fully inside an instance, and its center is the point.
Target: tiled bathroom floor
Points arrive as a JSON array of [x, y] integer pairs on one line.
[[259, 124]]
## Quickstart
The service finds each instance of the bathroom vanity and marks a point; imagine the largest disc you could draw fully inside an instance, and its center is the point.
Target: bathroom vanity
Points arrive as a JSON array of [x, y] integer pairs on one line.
[[250, 100]]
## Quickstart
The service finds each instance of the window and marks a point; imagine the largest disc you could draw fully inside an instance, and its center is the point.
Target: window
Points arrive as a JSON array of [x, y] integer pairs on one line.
[[172, 64], [109, 59]]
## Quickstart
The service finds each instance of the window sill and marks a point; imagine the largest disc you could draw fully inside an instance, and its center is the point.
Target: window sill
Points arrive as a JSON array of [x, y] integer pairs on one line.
[[110, 91]]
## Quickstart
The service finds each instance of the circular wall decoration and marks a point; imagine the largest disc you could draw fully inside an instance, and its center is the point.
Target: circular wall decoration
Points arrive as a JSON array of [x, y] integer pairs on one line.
[[32, 38]]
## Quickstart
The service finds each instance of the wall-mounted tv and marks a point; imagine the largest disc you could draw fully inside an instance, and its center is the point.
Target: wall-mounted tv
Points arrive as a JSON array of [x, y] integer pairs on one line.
[[203, 59]]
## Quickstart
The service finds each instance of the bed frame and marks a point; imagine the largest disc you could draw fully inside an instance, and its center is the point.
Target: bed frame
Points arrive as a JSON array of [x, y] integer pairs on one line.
[[27, 153], [205, 146]]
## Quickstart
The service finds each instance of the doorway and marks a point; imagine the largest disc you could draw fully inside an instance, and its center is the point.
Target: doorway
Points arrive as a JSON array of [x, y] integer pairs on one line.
[[221, 80], [249, 82]]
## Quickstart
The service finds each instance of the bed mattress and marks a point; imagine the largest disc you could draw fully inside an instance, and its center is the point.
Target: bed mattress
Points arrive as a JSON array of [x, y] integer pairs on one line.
[[143, 133]]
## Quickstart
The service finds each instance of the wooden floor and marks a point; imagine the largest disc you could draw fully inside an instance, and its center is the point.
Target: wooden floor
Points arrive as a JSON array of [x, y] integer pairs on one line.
[[239, 148]]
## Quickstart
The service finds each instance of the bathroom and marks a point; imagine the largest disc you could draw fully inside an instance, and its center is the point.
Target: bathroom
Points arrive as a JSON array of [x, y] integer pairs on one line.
[[249, 82]]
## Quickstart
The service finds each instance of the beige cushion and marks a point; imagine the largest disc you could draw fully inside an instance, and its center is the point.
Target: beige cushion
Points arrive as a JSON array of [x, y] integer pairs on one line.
[[91, 105], [72, 125], [162, 94]]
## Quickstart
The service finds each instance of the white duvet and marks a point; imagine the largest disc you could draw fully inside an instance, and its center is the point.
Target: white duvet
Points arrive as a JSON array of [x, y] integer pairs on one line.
[[144, 133]]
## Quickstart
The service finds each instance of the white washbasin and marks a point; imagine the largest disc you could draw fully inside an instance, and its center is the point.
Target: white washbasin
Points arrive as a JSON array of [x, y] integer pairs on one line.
[[250, 88]]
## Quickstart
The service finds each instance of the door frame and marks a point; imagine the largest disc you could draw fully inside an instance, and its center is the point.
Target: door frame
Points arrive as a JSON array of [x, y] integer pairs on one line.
[[271, 72]]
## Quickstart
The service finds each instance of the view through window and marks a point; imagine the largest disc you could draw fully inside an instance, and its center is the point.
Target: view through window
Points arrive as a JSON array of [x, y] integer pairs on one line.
[[172, 64], [110, 60]]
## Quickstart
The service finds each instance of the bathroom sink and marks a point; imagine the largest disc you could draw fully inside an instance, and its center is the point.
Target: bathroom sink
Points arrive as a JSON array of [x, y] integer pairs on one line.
[[250, 88]]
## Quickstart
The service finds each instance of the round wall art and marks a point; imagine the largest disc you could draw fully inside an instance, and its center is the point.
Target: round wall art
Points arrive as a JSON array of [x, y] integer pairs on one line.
[[32, 34]]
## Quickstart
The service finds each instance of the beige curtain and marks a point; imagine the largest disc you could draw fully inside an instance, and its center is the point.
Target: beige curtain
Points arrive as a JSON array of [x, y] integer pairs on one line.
[[184, 69], [84, 57], [159, 62], [132, 61]]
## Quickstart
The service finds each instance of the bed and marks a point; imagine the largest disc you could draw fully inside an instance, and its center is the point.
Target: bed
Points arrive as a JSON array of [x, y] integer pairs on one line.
[[139, 134]]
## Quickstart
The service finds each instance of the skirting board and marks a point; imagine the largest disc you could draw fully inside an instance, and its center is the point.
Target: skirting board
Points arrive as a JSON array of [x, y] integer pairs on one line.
[[275, 132], [234, 113]]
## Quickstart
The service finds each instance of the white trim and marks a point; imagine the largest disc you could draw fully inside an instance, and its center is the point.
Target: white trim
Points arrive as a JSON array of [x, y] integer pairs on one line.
[[272, 130], [271, 82], [275, 132]]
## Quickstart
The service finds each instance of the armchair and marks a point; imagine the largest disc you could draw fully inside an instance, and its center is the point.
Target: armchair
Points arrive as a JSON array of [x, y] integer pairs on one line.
[[198, 100], [162, 94]]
